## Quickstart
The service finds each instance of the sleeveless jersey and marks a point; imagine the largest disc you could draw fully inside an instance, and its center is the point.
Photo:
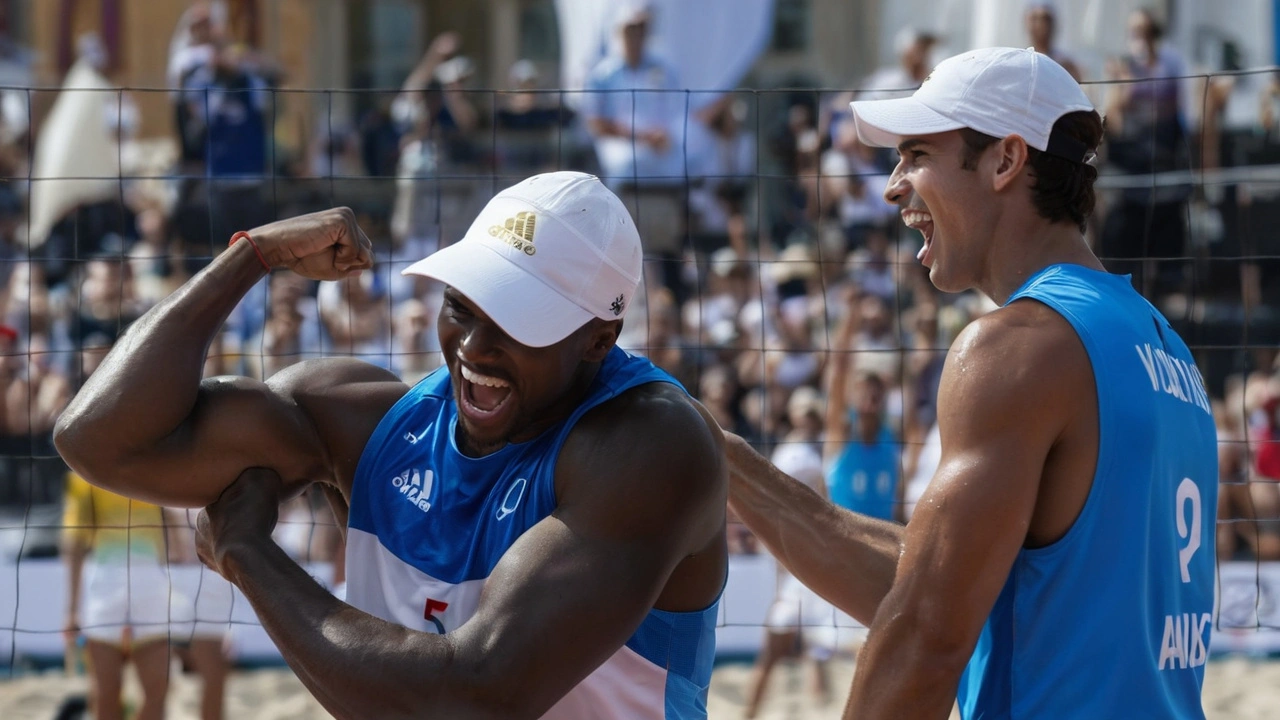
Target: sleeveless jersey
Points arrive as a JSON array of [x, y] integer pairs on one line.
[[864, 478], [428, 524], [1113, 619]]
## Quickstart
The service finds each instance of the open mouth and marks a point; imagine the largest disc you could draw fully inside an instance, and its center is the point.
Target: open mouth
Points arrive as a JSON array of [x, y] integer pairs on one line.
[[483, 396], [922, 221]]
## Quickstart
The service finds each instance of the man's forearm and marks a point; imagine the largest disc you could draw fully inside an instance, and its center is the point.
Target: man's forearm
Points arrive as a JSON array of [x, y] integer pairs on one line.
[[847, 558], [903, 671], [149, 382], [356, 665]]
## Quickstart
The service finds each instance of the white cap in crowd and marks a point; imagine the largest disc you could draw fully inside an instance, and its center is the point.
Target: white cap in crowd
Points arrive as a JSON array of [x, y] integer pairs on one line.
[[995, 91], [632, 12], [544, 257]]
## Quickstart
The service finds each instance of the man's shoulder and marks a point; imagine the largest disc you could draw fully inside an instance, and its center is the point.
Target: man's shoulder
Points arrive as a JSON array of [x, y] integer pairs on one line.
[[1024, 343], [652, 405], [651, 424]]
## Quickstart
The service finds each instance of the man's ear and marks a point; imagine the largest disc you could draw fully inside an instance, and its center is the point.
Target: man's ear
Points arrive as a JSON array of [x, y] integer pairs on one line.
[[602, 336], [1012, 159]]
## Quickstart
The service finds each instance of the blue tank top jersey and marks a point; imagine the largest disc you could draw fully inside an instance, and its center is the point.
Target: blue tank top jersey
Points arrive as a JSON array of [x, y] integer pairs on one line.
[[1113, 620], [428, 524], [864, 478]]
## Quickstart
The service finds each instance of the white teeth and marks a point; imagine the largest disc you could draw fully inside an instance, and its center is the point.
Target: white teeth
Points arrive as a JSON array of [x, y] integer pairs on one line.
[[915, 218], [482, 379]]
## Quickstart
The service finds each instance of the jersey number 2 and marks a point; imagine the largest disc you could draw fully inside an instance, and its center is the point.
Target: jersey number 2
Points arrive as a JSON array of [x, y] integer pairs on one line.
[[1188, 492]]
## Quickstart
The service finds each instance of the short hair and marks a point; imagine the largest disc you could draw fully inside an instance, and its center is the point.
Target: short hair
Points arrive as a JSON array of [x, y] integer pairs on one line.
[[1063, 189]]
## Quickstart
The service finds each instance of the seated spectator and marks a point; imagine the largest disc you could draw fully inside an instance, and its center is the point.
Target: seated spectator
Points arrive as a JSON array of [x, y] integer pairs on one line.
[[853, 184], [634, 110], [533, 126], [722, 166], [107, 301]]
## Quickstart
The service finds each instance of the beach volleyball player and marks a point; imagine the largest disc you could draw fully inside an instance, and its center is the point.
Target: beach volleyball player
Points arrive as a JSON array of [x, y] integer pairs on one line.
[[535, 530], [1061, 562]]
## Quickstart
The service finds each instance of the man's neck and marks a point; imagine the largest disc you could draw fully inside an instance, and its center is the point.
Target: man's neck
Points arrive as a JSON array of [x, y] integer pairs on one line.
[[1025, 250]]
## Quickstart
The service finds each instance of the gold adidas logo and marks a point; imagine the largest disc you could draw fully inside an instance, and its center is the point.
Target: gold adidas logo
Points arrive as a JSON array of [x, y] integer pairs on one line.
[[517, 232]]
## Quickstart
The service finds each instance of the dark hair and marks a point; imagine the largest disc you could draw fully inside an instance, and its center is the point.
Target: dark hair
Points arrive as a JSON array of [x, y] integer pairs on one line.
[[1157, 28], [1063, 189]]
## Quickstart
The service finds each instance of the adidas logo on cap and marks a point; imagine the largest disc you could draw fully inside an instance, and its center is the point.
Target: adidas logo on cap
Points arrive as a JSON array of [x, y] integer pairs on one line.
[[517, 232]]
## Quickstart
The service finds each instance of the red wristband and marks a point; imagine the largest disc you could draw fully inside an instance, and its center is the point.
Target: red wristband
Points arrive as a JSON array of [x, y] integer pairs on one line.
[[252, 244]]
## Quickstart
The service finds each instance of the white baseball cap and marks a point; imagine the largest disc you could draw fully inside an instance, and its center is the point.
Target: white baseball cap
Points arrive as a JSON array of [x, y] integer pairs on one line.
[[996, 91], [544, 257]]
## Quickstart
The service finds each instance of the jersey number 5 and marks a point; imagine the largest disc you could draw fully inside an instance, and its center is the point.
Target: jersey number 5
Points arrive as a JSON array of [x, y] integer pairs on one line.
[[1188, 492]]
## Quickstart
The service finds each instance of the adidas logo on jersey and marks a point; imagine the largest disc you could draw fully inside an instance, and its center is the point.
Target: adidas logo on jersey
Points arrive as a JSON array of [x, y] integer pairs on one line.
[[517, 232], [415, 487]]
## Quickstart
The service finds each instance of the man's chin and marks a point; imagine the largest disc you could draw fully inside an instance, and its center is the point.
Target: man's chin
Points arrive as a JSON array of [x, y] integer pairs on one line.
[[478, 442]]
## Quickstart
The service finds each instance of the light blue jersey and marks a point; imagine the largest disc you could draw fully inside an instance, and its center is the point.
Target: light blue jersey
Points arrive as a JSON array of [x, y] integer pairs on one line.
[[864, 478], [428, 524], [1113, 620]]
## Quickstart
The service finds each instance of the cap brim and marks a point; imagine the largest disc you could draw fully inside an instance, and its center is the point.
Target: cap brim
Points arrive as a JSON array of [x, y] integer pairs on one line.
[[524, 307], [883, 123]]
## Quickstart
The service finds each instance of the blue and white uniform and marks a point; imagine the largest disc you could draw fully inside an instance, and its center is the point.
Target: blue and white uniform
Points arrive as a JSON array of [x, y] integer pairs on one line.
[[428, 524], [1113, 620]]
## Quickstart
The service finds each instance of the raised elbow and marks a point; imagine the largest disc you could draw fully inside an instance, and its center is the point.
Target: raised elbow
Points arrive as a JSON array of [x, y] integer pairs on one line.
[[75, 445]]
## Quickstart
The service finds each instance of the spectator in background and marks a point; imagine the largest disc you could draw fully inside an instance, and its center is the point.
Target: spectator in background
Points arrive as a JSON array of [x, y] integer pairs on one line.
[[913, 47], [1237, 518], [118, 592], [433, 124], [861, 453], [202, 622], [151, 261], [1147, 133], [799, 620], [222, 111], [357, 318], [1262, 402], [535, 128], [417, 345], [722, 165], [634, 109], [32, 389], [1042, 27], [664, 345], [853, 183], [107, 301]]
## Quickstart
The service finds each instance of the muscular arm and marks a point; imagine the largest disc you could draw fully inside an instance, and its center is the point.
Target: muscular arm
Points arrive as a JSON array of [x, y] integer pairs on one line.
[[640, 488], [146, 426], [999, 420], [847, 558]]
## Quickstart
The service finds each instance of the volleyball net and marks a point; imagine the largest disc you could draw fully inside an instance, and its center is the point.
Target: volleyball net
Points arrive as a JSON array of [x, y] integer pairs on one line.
[[769, 256]]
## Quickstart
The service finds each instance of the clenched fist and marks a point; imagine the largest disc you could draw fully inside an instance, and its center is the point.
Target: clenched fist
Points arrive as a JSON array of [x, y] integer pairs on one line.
[[326, 245]]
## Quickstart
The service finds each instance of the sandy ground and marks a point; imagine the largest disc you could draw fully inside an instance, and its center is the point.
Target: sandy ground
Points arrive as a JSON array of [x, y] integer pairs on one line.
[[1235, 689]]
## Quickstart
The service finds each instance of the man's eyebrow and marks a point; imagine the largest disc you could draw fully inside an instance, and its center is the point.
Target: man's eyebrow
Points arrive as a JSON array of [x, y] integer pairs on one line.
[[909, 145]]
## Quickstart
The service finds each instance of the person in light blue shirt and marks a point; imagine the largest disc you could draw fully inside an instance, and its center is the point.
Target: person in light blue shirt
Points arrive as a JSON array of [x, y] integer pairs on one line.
[[635, 109], [1061, 562]]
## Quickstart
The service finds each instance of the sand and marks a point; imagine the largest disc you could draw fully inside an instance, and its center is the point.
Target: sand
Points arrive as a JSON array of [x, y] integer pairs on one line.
[[1235, 689]]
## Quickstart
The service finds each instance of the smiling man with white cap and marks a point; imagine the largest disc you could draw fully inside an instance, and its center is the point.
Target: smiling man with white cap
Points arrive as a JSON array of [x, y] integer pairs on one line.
[[1060, 563], [536, 530]]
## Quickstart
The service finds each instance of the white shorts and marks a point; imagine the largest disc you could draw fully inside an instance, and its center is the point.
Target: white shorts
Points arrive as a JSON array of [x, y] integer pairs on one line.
[[797, 608], [204, 610], [120, 595]]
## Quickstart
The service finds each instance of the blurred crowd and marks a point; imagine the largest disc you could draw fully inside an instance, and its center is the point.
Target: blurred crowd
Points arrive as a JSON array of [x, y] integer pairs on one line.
[[780, 288]]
